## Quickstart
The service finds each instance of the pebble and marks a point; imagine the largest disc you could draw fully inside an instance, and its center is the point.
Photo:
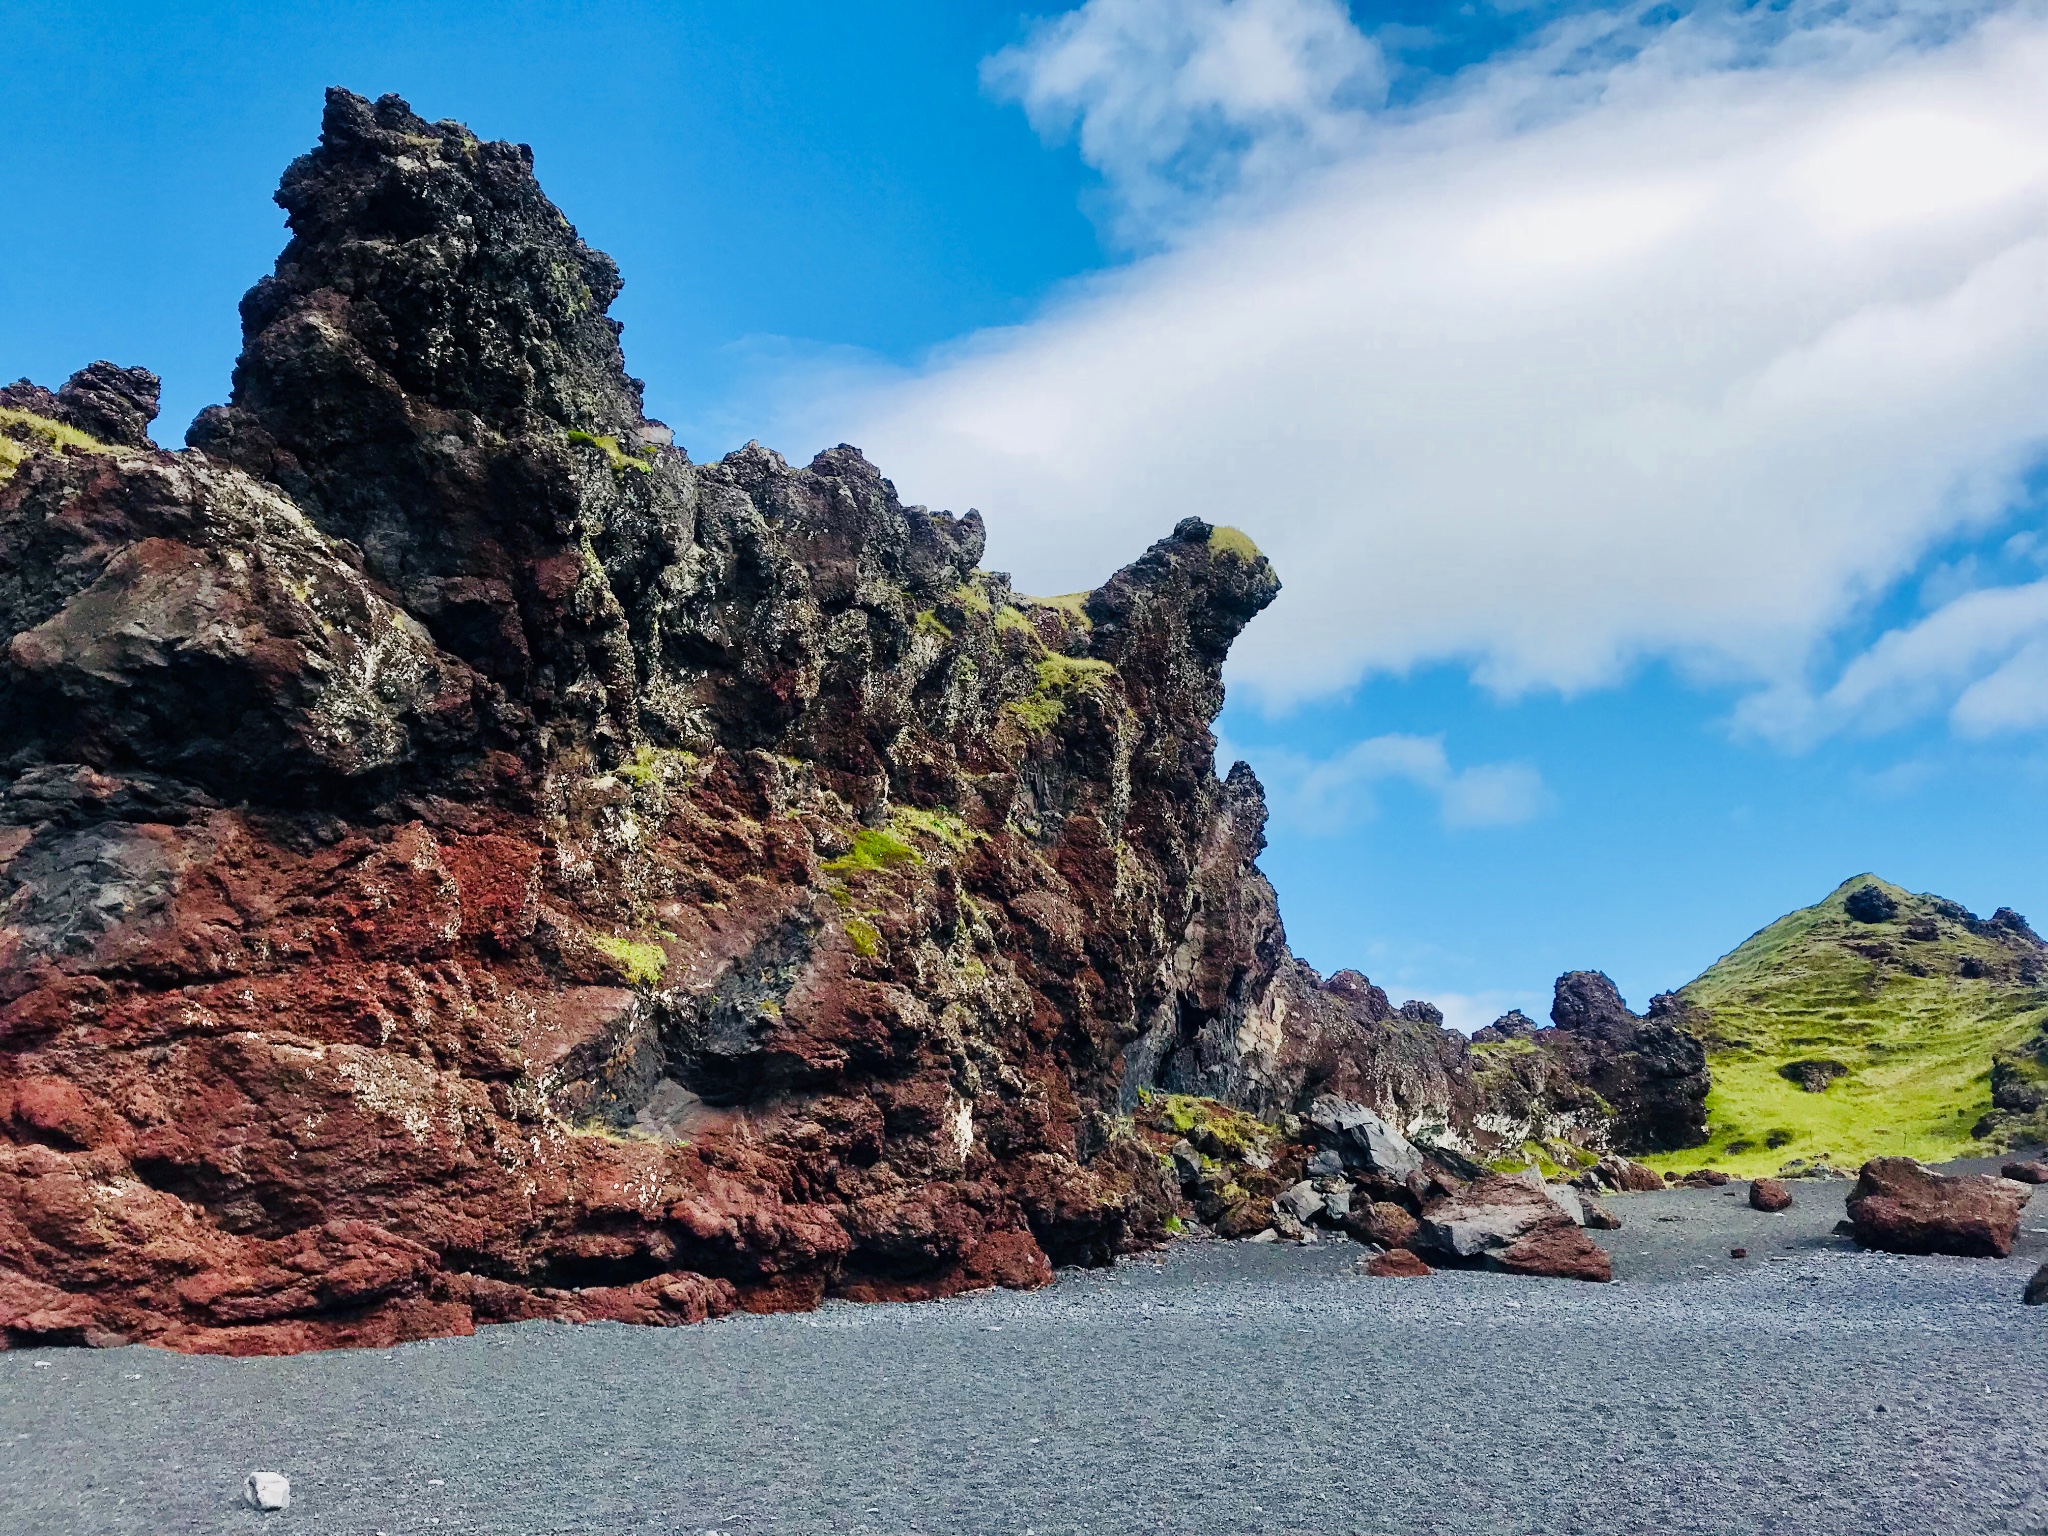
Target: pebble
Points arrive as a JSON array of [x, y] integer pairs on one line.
[[268, 1490]]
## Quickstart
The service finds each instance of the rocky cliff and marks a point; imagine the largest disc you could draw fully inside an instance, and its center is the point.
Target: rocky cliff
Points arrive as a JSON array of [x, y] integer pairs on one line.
[[461, 861]]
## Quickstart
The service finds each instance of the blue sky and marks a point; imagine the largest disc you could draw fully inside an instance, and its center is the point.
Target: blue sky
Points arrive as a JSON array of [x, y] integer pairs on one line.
[[1645, 406]]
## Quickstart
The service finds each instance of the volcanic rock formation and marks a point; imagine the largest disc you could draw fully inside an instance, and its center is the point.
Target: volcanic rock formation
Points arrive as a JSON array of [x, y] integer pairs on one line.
[[462, 861]]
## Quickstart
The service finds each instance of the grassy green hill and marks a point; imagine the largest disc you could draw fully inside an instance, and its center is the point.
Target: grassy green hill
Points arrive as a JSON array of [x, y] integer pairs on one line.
[[1894, 1020]]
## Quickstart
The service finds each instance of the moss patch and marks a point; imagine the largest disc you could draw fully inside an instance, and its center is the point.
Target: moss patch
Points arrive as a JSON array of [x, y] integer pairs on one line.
[[23, 433], [1914, 1007], [1073, 604], [863, 935], [616, 456], [1060, 679], [641, 964], [1232, 541], [646, 765], [874, 849], [940, 826]]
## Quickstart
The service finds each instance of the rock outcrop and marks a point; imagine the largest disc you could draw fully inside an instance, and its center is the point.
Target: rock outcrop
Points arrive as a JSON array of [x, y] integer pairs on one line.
[[462, 861], [1901, 1207], [1600, 1077]]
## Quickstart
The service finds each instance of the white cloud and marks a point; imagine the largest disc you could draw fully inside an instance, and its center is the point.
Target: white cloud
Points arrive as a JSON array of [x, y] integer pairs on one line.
[[1688, 353], [1328, 795], [1176, 99], [1987, 651]]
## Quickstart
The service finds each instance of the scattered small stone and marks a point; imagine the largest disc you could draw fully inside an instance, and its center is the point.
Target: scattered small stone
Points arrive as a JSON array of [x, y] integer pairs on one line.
[[267, 1490], [1598, 1217], [1738, 1253], [2029, 1172], [2036, 1292]]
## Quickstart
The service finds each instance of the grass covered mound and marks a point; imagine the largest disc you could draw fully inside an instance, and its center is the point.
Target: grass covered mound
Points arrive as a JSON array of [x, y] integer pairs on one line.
[[1862, 1026]]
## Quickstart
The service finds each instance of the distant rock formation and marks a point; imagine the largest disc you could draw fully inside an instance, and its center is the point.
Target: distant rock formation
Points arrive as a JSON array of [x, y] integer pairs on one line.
[[1600, 1076]]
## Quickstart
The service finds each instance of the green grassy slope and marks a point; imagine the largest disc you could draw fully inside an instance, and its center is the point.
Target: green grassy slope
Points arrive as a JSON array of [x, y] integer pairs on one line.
[[1912, 1007]]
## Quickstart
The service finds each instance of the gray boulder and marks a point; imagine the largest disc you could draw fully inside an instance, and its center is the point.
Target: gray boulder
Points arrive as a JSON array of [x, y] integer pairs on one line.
[[1361, 1139]]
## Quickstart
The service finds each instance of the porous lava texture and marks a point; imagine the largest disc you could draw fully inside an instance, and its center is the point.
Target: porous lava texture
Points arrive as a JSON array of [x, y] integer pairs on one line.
[[462, 861]]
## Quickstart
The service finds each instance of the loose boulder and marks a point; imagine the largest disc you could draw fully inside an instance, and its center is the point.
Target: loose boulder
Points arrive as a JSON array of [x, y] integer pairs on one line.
[[1397, 1264], [2030, 1172], [2037, 1288], [1599, 1217], [1361, 1139], [267, 1491], [1505, 1223], [1768, 1195], [1901, 1207], [1385, 1223], [1624, 1175]]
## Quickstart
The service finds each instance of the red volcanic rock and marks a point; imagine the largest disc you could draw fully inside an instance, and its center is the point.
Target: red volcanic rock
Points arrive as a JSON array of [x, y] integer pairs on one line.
[[1704, 1178], [1397, 1264], [462, 861], [1506, 1223], [1556, 1251], [1384, 1223], [2029, 1172], [1901, 1207], [1769, 1195]]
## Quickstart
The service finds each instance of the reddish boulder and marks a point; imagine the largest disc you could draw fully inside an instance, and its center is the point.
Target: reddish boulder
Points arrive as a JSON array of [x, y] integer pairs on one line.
[[1384, 1223], [2028, 1172], [1509, 1224], [1902, 1207], [1556, 1251], [1768, 1195], [1704, 1178], [1626, 1175], [1397, 1264]]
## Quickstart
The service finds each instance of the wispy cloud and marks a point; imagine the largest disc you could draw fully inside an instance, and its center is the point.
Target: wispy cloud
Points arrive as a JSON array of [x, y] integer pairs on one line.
[[1330, 795], [1679, 339]]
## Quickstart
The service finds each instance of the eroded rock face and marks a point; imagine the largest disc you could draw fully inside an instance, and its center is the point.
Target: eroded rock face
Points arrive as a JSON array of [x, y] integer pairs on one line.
[[1901, 1207], [462, 861]]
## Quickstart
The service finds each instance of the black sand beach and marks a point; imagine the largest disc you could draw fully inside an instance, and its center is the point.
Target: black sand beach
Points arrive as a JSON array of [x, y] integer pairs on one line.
[[1222, 1388]]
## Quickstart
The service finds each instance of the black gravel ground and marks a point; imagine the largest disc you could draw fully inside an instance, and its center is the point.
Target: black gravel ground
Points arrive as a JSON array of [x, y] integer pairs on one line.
[[1226, 1388]]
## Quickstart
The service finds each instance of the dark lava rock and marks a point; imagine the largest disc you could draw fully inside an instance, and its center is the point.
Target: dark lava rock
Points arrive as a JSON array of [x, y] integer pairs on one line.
[[2025, 1172], [1598, 1217], [1704, 1178], [1397, 1264], [1871, 904], [2036, 1292], [1738, 1253], [1769, 1195], [1650, 1069], [1813, 1076], [1902, 1207]]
